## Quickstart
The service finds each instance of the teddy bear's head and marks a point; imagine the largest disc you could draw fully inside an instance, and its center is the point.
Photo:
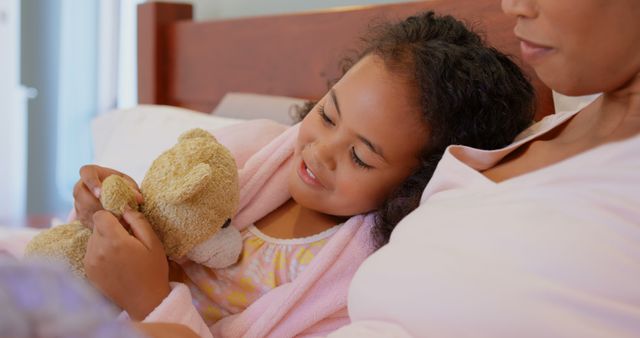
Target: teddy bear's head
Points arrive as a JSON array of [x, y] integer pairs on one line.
[[190, 193]]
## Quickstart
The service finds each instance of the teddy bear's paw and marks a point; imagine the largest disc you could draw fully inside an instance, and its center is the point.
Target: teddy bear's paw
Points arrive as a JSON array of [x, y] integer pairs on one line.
[[116, 193]]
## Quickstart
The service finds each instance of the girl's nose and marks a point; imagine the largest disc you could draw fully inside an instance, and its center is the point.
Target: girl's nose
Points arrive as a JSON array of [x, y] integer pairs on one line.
[[520, 8], [326, 154]]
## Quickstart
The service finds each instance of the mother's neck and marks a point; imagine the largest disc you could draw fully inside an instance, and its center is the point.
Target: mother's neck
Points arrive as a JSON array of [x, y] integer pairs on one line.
[[629, 94], [616, 114]]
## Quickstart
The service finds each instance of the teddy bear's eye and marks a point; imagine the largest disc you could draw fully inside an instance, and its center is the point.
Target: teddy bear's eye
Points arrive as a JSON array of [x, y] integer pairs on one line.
[[227, 223]]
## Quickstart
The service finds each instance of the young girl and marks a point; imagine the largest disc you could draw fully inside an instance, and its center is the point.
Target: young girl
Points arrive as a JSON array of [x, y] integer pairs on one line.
[[369, 146]]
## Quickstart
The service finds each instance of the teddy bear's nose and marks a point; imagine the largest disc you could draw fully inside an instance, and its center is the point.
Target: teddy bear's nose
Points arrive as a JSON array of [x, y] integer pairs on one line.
[[227, 223]]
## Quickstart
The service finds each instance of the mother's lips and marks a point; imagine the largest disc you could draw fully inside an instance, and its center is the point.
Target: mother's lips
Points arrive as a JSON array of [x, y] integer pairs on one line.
[[533, 44], [533, 52]]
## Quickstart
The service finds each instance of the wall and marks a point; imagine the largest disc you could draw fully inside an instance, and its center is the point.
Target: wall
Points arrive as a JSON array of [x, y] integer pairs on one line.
[[221, 9], [224, 9]]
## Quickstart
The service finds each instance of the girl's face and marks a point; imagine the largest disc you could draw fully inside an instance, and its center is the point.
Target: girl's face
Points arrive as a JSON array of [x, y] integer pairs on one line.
[[579, 47], [359, 142]]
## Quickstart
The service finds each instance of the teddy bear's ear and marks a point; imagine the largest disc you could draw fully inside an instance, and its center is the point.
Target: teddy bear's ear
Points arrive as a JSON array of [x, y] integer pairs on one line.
[[187, 186], [195, 133]]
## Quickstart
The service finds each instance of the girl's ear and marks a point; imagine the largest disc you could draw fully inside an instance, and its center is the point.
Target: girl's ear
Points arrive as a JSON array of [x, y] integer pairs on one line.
[[183, 188]]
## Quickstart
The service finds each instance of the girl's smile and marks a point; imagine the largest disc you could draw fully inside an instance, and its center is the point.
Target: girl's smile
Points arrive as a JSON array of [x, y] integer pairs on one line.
[[307, 176]]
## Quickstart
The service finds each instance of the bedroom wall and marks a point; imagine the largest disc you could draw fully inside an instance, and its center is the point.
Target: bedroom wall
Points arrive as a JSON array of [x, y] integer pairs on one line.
[[220, 9], [224, 9]]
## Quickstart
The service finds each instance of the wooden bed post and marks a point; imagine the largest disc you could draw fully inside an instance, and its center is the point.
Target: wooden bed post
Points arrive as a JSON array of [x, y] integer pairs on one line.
[[153, 17]]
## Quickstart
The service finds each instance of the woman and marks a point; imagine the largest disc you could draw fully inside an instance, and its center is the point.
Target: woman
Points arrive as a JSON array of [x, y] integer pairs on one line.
[[541, 238]]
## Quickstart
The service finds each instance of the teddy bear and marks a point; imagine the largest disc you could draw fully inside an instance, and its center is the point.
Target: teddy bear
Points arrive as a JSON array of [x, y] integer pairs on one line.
[[190, 194]]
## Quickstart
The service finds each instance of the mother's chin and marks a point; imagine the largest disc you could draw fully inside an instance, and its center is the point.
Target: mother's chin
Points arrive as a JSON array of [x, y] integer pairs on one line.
[[566, 76]]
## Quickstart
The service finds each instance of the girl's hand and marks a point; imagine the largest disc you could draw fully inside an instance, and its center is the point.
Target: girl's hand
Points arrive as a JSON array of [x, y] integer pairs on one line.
[[86, 192], [130, 269]]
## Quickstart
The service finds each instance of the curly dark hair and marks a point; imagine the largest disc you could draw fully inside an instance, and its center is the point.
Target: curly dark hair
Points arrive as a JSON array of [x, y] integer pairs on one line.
[[469, 94]]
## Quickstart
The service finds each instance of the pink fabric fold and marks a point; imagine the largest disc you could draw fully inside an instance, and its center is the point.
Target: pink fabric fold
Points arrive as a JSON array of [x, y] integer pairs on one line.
[[314, 303], [263, 179], [13, 241]]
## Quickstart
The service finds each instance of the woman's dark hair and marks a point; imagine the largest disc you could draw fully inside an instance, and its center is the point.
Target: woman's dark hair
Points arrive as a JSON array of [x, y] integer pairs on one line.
[[469, 94]]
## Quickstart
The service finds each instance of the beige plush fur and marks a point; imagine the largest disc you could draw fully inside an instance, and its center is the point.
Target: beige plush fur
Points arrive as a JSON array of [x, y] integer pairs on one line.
[[190, 191]]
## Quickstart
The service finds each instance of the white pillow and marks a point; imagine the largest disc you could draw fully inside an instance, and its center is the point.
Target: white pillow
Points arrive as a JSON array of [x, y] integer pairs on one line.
[[128, 140], [258, 106]]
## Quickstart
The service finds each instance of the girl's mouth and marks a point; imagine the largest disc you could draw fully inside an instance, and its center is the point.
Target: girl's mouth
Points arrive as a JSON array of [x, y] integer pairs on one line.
[[308, 176]]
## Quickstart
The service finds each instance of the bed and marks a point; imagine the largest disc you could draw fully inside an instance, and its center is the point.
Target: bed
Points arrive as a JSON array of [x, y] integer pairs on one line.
[[193, 64]]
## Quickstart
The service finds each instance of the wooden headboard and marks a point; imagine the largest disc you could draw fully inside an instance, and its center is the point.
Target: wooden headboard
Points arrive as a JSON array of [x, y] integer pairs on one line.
[[192, 64]]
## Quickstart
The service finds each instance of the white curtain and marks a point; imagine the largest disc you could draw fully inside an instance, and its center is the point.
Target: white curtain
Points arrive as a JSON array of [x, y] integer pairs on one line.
[[117, 57], [108, 51], [127, 88], [98, 74], [13, 118], [76, 92]]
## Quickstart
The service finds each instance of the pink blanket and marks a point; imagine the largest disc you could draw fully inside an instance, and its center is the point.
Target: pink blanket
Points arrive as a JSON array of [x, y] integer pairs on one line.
[[14, 240], [313, 304]]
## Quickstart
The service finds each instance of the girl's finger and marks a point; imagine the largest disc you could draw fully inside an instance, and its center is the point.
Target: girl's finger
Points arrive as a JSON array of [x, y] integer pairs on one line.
[[90, 177], [141, 228], [94, 248], [85, 205], [85, 197], [107, 225]]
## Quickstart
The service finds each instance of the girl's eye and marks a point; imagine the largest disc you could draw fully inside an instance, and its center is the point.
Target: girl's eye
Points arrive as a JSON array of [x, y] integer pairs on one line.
[[357, 160], [324, 116]]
